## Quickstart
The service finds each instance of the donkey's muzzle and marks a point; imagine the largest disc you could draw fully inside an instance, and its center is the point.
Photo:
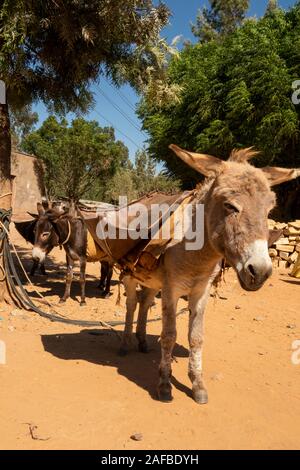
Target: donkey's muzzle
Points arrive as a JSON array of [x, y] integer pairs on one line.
[[38, 254], [253, 276]]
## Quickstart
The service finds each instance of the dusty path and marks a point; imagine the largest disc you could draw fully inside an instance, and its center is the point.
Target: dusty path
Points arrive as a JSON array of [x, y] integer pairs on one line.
[[71, 389]]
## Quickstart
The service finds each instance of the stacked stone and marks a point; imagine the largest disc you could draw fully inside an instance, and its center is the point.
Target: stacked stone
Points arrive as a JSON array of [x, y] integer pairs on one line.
[[284, 252]]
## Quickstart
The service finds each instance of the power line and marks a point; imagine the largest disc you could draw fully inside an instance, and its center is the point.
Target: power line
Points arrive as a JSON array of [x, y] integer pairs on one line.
[[123, 113], [122, 96], [121, 132]]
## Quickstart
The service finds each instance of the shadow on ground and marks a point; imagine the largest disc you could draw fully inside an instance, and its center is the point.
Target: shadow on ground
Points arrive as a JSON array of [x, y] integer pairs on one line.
[[54, 281], [101, 346]]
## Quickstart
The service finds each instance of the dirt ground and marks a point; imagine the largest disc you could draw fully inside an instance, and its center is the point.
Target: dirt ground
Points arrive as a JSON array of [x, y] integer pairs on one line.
[[65, 388]]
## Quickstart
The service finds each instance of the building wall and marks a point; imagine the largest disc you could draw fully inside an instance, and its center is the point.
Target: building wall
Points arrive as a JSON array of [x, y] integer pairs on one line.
[[28, 186]]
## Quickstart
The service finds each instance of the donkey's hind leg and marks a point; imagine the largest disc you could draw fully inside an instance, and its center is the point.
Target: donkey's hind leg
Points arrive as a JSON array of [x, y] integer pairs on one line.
[[108, 280], [146, 301], [103, 274], [131, 303]]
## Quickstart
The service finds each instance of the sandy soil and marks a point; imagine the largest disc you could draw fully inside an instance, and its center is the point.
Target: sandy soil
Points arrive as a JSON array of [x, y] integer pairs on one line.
[[65, 388]]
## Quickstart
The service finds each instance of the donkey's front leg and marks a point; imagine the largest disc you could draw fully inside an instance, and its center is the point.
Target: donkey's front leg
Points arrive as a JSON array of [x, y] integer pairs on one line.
[[197, 304], [82, 280], [69, 278], [131, 303], [168, 340], [34, 267]]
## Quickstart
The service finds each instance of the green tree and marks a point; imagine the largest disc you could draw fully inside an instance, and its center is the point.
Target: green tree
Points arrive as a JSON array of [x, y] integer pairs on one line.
[[76, 157], [54, 50], [140, 179], [23, 121], [272, 6], [236, 93], [222, 18], [121, 184]]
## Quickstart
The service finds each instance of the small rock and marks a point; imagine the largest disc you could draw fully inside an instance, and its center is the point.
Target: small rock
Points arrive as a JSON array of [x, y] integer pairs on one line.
[[237, 307], [11, 328], [217, 377], [137, 436], [291, 326], [16, 312], [118, 314], [259, 318]]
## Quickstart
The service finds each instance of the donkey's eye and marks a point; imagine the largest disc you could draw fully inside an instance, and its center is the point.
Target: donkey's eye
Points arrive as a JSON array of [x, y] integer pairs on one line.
[[230, 208]]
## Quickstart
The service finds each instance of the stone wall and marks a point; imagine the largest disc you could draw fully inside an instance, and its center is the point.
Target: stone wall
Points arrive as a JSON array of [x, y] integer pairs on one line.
[[284, 252]]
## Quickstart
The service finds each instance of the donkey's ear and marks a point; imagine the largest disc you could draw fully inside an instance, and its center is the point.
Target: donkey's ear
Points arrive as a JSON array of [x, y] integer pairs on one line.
[[204, 164], [40, 209], [277, 175]]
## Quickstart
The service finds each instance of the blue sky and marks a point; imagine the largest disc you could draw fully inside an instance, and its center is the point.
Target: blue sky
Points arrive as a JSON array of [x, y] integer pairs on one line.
[[107, 98]]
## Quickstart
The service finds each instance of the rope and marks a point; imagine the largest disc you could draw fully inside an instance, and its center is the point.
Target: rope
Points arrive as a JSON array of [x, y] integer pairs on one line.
[[22, 267], [4, 195], [69, 234], [3, 273]]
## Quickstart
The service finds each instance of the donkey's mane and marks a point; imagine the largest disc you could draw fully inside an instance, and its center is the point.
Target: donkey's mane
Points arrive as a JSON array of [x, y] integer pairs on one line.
[[242, 155]]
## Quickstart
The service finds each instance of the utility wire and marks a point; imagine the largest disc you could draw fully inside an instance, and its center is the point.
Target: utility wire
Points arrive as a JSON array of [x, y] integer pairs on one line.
[[122, 96], [119, 130], [123, 113]]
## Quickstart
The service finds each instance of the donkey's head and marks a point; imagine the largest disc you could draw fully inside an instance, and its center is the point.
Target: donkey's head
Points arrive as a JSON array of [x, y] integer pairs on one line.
[[45, 237], [238, 202]]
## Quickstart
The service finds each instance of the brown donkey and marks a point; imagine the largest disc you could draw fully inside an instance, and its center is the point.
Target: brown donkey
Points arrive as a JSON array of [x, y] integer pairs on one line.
[[237, 199], [70, 232]]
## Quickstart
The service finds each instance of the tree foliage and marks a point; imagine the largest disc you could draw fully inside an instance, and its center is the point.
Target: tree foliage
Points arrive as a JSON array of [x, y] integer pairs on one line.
[[53, 50], [222, 18], [139, 179], [23, 121], [79, 159], [236, 93]]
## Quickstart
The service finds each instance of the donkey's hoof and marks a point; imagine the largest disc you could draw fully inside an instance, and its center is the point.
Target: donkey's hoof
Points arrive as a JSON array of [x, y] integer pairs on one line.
[[83, 303], [143, 347], [200, 396], [106, 295], [165, 393], [62, 301], [122, 351]]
